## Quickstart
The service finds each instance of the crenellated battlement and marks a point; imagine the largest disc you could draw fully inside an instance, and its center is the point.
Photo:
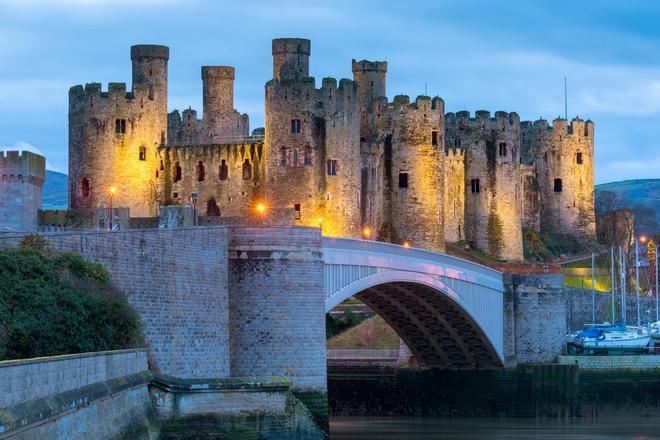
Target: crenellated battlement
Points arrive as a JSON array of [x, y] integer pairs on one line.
[[560, 127], [482, 120], [139, 51], [222, 72], [340, 97], [93, 95], [401, 103], [24, 164], [454, 153]]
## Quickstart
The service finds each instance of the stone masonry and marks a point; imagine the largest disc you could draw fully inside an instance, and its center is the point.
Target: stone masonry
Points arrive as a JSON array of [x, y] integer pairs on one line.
[[22, 175], [341, 156]]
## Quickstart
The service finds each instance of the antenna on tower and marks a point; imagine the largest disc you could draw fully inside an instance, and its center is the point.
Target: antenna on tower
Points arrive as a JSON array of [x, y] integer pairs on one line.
[[426, 89], [565, 100]]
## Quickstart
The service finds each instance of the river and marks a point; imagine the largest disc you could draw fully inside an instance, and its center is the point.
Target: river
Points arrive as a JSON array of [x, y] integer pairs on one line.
[[404, 428]]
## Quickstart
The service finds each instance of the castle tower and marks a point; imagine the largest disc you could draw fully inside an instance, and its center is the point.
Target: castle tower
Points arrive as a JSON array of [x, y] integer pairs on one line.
[[22, 175], [454, 194], [312, 145], [413, 161], [492, 180], [291, 58], [114, 137], [220, 121], [371, 77], [565, 163]]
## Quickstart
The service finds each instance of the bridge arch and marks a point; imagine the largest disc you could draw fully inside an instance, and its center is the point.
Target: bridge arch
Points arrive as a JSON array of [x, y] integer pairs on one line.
[[448, 311]]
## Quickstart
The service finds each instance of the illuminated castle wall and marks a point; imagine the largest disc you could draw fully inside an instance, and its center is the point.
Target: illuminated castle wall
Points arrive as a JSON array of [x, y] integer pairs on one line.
[[341, 156]]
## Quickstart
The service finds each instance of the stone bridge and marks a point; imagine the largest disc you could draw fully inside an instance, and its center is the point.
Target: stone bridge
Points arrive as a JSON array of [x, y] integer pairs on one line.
[[236, 302], [447, 310]]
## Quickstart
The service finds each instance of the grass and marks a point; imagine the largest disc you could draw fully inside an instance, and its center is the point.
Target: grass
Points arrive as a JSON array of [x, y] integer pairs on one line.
[[547, 247], [373, 333], [602, 283]]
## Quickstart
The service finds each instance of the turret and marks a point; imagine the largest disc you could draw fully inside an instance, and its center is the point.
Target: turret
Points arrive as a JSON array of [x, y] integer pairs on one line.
[[150, 67], [291, 58], [371, 77], [218, 91]]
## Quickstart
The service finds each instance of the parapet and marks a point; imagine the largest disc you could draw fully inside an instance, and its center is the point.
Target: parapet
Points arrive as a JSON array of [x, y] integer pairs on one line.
[[291, 46], [482, 120], [149, 51], [560, 127], [23, 163], [81, 95], [223, 72], [369, 66]]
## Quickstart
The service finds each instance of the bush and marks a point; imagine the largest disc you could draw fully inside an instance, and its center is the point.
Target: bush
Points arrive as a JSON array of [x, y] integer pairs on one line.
[[60, 304]]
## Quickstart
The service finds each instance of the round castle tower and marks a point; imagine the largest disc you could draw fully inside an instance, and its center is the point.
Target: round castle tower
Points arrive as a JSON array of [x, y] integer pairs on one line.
[[312, 143], [220, 121], [371, 77], [413, 161], [564, 157], [114, 137], [492, 180]]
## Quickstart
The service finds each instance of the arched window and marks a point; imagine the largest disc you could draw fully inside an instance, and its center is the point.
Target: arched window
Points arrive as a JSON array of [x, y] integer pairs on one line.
[[201, 172], [282, 156], [308, 155], [84, 185], [295, 157], [212, 207], [177, 172], [247, 170], [224, 170], [558, 185]]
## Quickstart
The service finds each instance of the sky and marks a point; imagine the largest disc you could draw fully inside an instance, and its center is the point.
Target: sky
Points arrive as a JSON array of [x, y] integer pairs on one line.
[[475, 54]]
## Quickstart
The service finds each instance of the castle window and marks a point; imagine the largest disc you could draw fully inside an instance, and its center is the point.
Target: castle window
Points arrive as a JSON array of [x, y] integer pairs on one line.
[[162, 166], [502, 148], [84, 184], [282, 156], [120, 126], [296, 208], [403, 180], [142, 155], [558, 185], [156, 174], [308, 156], [578, 158], [474, 185], [224, 170], [201, 173], [296, 126], [177, 172], [175, 195], [457, 142], [247, 170], [434, 138], [295, 157], [332, 167]]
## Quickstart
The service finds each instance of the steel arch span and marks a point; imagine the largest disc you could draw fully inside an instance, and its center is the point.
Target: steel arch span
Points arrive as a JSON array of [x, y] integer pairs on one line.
[[447, 310]]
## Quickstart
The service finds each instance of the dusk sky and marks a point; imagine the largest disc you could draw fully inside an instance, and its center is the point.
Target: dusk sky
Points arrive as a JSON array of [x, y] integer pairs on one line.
[[491, 55]]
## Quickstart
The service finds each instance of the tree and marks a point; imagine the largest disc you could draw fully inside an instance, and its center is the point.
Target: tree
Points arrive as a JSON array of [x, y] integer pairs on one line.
[[607, 201], [645, 220]]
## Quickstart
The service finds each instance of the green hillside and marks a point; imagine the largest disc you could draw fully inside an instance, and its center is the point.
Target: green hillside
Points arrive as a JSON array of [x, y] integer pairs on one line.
[[54, 194], [644, 191]]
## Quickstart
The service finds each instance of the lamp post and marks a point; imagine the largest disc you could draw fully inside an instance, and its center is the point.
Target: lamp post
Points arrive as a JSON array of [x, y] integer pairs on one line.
[[193, 199], [111, 192]]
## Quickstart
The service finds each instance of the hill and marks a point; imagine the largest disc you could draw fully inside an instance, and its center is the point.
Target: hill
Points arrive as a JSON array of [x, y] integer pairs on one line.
[[54, 194], [633, 192]]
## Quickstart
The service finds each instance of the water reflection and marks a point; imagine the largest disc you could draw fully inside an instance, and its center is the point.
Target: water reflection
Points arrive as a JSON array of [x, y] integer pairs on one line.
[[366, 428]]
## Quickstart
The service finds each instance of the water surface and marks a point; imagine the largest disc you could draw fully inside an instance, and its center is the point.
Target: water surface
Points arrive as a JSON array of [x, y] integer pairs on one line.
[[404, 428]]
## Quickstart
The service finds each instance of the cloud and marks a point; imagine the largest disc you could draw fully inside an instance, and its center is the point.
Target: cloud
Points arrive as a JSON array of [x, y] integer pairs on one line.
[[22, 146]]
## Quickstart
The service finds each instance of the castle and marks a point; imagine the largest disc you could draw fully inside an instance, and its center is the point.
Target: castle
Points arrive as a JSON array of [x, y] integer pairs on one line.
[[342, 157], [22, 175]]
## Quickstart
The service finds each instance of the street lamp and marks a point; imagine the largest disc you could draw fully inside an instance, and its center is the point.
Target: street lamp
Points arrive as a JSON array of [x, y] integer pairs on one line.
[[111, 193], [193, 199], [366, 232]]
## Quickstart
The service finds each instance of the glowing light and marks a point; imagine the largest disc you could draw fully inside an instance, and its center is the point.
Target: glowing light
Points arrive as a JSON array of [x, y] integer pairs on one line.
[[112, 190], [406, 244], [642, 239], [320, 220], [366, 232], [260, 208]]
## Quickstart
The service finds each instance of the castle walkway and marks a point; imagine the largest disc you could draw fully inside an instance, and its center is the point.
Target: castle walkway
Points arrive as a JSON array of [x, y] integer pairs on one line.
[[447, 310]]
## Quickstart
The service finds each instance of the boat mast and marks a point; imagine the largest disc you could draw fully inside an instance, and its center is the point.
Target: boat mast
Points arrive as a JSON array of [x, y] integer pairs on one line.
[[612, 288], [622, 272], [637, 279], [593, 291]]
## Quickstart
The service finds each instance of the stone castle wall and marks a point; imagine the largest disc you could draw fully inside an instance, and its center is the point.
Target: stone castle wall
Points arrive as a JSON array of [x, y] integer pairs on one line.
[[492, 180], [341, 156], [564, 157], [22, 175], [114, 137]]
